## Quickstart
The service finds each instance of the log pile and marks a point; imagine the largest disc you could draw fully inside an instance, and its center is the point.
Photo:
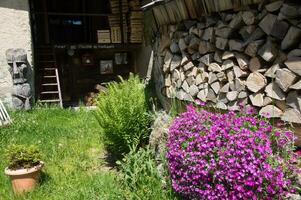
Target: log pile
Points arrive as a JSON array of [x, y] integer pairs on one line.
[[250, 57], [91, 98]]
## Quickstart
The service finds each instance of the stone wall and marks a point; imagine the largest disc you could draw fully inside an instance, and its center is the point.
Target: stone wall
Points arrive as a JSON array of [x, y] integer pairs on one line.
[[251, 57], [15, 32]]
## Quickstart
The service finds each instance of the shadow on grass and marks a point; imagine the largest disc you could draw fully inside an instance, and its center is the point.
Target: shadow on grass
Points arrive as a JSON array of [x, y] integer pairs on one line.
[[44, 178]]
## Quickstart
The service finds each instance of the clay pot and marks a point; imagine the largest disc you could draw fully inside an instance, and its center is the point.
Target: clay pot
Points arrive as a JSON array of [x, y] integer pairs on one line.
[[24, 180]]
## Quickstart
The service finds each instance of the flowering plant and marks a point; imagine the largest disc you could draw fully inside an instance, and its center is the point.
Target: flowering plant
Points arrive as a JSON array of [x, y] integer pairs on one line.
[[229, 156]]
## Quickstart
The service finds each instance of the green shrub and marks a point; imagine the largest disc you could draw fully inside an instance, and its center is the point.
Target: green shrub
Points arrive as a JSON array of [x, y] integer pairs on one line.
[[22, 156], [122, 113], [140, 178]]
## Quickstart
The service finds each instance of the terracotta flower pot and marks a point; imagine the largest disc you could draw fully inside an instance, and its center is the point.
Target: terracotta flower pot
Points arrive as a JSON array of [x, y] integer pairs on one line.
[[24, 180]]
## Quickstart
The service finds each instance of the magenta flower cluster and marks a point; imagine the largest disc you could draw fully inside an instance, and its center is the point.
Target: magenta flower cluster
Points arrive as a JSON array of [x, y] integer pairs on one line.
[[226, 156]]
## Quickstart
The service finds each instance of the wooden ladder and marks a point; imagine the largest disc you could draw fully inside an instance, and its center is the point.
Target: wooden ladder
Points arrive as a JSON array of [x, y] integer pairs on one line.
[[50, 89]]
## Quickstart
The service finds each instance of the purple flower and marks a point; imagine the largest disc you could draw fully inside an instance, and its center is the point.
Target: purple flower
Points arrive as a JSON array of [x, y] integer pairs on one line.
[[227, 156]]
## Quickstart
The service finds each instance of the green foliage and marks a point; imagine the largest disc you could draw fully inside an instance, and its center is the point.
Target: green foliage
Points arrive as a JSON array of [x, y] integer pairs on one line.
[[140, 177], [22, 156], [123, 116]]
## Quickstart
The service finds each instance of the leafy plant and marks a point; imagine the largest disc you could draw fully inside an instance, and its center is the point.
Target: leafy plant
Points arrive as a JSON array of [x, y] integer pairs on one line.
[[229, 156], [22, 156], [140, 177], [122, 113]]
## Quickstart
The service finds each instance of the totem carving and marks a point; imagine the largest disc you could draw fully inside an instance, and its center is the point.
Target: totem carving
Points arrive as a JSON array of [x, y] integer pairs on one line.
[[19, 68]]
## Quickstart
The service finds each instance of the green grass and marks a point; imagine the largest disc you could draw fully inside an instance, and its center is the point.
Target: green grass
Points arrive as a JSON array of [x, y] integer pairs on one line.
[[71, 146]]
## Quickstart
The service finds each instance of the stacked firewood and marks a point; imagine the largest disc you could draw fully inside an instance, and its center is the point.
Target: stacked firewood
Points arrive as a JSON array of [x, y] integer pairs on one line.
[[250, 57], [91, 98]]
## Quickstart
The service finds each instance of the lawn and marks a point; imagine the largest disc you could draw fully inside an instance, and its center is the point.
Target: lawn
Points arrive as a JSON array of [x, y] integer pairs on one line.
[[73, 153]]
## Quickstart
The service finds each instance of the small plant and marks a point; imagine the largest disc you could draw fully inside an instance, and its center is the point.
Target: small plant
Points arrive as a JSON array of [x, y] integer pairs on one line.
[[140, 177], [22, 156], [123, 115], [229, 156]]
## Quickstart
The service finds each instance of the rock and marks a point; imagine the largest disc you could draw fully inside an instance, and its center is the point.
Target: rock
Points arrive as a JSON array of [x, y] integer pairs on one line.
[[225, 32], [214, 67], [184, 60], [236, 22], [182, 44], [176, 74], [291, 115], [253, 48], [274, 91], [227, 64], [256, 82], [292, 38], [193, 72], [189, 23], [292, 100], [246, 32], [239, 85], [216, 87], [202, 95], [180, 94], [225, 88], [256, 35], [174, 47], [230, 75], [203, 86], [159, 133], [242, 61], [294, 196], [238, 72], [208, 34], [227, 55], [294, 53], [167, 61], [257, 99], [255, 64], [188, 66], [167, 81], [211, 20], [231, 96], [242, 95], [221, 105], [221, 76], [279, 29], [233, 106], [175, 62], [268, 51], [212, 77], [267, 101], [248, 17], [271, 72], [193, 90], [270, 111], [281, 57], [195, 56], [170, 92], [211, 95], [285, 78], [218, 57], [235, 45], [267, 23], [200, 79], [194, 43], [190, 80], [296, 86], [222, 98], [274, 6], [185, 86], [294, 64], [290, 11], [221, 43], [206, 59], [205, 47]]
